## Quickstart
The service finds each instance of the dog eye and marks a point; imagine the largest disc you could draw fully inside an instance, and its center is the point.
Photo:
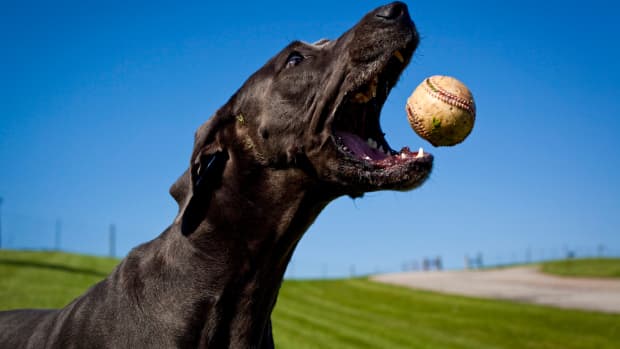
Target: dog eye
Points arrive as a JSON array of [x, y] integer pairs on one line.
[[294, 59]]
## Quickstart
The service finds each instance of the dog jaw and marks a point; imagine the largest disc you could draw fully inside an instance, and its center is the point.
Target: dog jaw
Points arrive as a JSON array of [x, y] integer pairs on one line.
[[361, 158]]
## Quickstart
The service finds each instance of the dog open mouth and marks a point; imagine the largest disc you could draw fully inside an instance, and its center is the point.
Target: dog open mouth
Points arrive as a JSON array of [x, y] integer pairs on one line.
[[365, 154]]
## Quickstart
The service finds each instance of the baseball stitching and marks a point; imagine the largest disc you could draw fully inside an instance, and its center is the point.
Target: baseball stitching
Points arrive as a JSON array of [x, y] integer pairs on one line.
[[417, 125], [450, 98]]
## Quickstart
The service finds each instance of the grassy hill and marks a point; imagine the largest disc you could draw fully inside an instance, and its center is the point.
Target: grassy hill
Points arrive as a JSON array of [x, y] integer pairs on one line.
[[47, 279], [590, 267], [351, 313]]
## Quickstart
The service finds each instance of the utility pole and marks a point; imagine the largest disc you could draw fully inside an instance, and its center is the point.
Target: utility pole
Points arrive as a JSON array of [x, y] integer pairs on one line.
[[0, 222], [291, 268], [57, 232], [112, 240]]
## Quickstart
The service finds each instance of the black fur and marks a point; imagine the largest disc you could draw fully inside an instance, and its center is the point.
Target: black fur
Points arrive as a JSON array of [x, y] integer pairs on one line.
[[262, 169]]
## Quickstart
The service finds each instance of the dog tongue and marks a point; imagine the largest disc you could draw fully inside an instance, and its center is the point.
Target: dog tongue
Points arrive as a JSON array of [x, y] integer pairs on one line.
[[360, 147]]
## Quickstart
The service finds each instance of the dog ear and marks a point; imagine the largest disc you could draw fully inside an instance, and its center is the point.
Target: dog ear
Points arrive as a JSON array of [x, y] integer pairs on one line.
[[179, 191], [194, 189]]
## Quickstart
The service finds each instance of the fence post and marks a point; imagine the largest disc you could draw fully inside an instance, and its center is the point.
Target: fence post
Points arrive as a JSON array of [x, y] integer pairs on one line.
[[112, 240], [58, 231], [0, 222]]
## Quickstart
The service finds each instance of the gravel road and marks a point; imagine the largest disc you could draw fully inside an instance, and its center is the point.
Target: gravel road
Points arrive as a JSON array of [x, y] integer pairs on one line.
[[523, 284]]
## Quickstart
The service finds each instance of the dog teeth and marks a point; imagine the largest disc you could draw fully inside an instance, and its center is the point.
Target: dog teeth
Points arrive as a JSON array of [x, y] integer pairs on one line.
[[372, 143], [372, 88], [370, 93], [420, 153], [399, 56], [361, 98]]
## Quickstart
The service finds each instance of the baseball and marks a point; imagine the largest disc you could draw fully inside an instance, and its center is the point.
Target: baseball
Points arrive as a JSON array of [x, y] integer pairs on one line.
[[441, 110]]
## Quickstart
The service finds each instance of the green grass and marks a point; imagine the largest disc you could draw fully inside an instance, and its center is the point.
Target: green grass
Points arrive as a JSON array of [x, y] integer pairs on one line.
[[591, 267], [362, 314], [47, 279], [352, 313]]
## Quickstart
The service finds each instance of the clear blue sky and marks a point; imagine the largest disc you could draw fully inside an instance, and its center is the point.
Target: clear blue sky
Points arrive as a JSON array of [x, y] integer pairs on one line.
[[98, 105]]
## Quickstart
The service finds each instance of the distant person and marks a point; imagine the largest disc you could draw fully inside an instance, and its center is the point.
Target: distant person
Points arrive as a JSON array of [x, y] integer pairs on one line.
[[438, 265]]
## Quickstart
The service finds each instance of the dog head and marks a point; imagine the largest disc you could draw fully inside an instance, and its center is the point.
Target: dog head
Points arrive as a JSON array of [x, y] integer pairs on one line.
[[315, 109]]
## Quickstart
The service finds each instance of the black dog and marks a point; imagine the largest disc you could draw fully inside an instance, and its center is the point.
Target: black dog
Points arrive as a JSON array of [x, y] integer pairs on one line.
[[300, 132]]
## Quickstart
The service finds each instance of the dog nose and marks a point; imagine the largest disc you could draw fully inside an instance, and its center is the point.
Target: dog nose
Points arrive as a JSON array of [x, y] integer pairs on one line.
[[392, 11]]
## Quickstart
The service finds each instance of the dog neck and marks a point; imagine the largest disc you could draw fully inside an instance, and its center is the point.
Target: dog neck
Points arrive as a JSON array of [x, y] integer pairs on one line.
[[252, 226]]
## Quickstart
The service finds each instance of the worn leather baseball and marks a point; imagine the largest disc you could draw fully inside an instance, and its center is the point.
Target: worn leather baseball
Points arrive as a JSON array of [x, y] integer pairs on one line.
[[441, 110]]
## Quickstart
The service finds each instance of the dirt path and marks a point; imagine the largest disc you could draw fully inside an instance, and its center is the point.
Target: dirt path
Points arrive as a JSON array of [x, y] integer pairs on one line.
[[523, 284]]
